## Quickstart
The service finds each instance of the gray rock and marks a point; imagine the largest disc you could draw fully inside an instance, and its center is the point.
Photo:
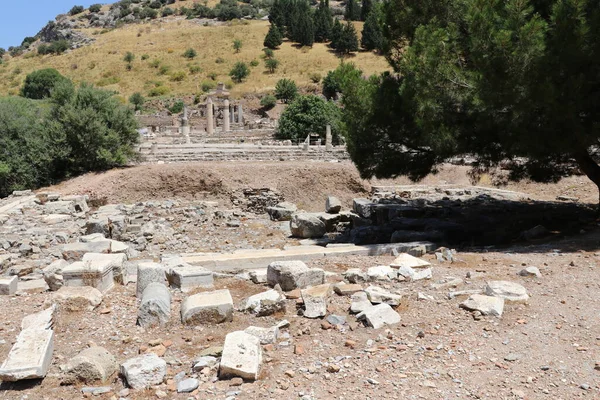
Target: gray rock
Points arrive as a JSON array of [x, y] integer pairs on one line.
[[363, 207], [282, 211], [144, 371], [242, 356], [91, 365], [265, 335], [291, 275], [531, 271], [188, 385], [355, 275], [509, 291], [336, 319], [486, 305], [258, 276], [315, 300], [379, 316], [378, 295], [155, 307], [307, 226], [8, 285], [381, 273], [204, 362], [265, 303], [333, 205], [149, 272], [53, 274], [207, 308]]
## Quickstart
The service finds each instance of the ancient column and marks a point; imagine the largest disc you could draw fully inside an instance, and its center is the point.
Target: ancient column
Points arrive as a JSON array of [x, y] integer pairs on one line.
[[226, 116], [328, 139], [306, 143], [185, 126], [210, 127], [231, 114], [240, 114]]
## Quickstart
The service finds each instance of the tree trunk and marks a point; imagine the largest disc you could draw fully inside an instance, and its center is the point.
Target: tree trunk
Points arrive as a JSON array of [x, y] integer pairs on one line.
[[590, 168]]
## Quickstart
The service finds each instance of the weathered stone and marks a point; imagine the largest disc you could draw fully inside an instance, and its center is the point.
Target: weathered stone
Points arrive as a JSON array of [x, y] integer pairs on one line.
[[208, 307], [331, 221], [307, 226], [98, 274], [188, 385], [53, 274], [144, 371], [91, 365], [116, 261], [75, 251], [54, 219], [258, 276], [509, 291], [355, 275], [486, 305], [242, 356], [346, 289], [8, 285], [30, 356], [40, 320], [191, 277], [204, 362], [415, 274], [360, 302], [265, 335], [333, 205], [379, 316], [379, 295], [363, 207], [147, 273], [336, 319], [406, 260], [265, 303], [32, 286], [282, 211], [315, 300], [293, 274], [155, 307], [381, 273], [82, 298], [531, 271]]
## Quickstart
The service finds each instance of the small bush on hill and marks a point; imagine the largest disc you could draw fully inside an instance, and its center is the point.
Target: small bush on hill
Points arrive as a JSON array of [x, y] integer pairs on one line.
[[239, 72], [94, 8], [268, 102], [76, 10], [39, 84], [286, 90]]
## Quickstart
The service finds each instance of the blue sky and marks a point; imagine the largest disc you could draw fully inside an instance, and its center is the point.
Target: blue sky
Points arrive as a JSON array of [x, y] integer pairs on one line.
[[22, 18]]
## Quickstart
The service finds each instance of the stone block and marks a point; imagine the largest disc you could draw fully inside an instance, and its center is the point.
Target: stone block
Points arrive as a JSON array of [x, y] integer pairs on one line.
[[258, 276], [378, 295], [381, 273], [190, 277], [307, 226], [30, 356], [53, 274], [75, 251], [346, 289], [117, 261], [355, 275], [32, 286], [293, 274], [379, 316], [40, 320], [242, 356], [73, 298], [155, 307], [265, 335], [207, 308], [265, 303], [149, 272], [315, 300], [363, 207], [333, 205], [94, 364], [144, 371], [486, 305], [54, 219], [8, 285], [97, 274], [509, 291], [282, 211], [406, 260]]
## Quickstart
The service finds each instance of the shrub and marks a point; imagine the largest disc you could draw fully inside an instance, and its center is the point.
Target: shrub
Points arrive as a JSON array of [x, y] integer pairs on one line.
[[271, 64], [178, 76], [239, 72], [315, 77], [39, 84], [137, 100], [195, 69], [269, 53], [274, 38], [213, 76], [94, 8], [207, 86], [158, 91], [237, 45], [219, 60], [309, 114], [56, 47], [286, 90], [164, 69], [254, 63], [145, 57], [268, 102], [167, 12], [177, 107], [155, 63], [129, 57], [190, 53], [76, 10]]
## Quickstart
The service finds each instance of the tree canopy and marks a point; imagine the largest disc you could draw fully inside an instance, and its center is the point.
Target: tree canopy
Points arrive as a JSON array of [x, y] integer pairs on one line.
[[511, 82]]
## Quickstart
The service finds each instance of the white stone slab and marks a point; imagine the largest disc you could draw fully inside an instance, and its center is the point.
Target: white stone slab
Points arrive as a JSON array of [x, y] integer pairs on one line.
[[379, 316], [406, 260], [188, 278], [8, 285], [207, 307], [30, 357], [242, 356]]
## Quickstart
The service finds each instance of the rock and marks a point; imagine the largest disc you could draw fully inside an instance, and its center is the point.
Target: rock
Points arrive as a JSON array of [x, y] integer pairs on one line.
[[333, 205], [265, 303], [307, 226], [406, 260], [207, 308], [360, 302], [363, 207], [96, 391], [30, 356], [144, 371], [155, 307], [530, 271], [53, 274], [190, 277], [486, 305], [282, 211], [336, 319], [242, 356], [91, 365], [535, 232], [75, 251], [97, 273], [355, 275], [381, 273], [378, 295], [293, 274], [32, 286], [346, 289], [40, 320], [509, 291], [82, 298], [423, 297], [258, 276], [264, 335], [315, 300], [8, 285], [116, 261], [149, 272], [213, 351], [188, 385], [204, 362], [415, 275], [379, 316]]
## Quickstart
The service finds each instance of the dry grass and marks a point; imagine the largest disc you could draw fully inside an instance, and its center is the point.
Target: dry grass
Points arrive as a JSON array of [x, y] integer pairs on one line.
[[166, 40]]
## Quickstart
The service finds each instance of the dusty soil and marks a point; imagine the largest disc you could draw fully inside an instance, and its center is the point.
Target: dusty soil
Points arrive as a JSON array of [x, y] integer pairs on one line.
[[438, 351], [306, 184]]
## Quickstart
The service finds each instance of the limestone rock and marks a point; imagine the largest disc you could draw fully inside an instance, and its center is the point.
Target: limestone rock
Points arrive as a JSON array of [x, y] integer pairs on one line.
[[381, 273], [363, 207], [82, 298], [30, 356], [265, 303], [155, 307], [346, 289], [486, 305], [144, 371], [530, 271], [307, 226], [315, 300], [265, 335], [293, 274], [333, 205], [190, 277], [379, 316], [242, 356], [415, 274], [509, 291], [360, 302], [149, 272], [282, 211], [53, 274], [188, 385], [91, 365], [258, 276], [207, 308], [406, 260], [8, 285], [355, 275], [379, 295]]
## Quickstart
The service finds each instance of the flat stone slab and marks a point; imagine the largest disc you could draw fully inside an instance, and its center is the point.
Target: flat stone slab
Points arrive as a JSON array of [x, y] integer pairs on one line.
[[40, 320], [242, 356], [486, 305], [188, 278], [379, 316], [95, 273], [379, 295], [265, 335], [8, 285], [265, 303], [32, 286], [144, 371], [346, 289], [381, 273], [360, 302], [509, 291], [292, 275], [74, 298], [147, 273], [91, 365], [207, 307], [76, 251], [315, 300], [30, 356], [406, 260]]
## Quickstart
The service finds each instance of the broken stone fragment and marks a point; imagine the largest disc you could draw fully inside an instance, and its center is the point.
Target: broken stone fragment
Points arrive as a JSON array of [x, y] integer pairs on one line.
[[379, 316], [265, 335], [8, 285], [307, 226], [315, 300], [155, 307], [346, 289], [74, 299], [378, 295], [242, 356], [355, 275], [486, 305], [360, 302], [207, 308], [282, 211], [144, 371], [406, 260], [381, 273], [53, 274], [91, 365], [265, 303], [333, 205], [509, 291], [149, 272], [293, 274]]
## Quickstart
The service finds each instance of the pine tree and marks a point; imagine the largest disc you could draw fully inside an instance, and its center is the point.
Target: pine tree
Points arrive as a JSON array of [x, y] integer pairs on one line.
[[372, 34], [352, 11], [365, 10], [336, 33], [302, 29], [277, 14], [348, 41], [274, 38], [323, 22]]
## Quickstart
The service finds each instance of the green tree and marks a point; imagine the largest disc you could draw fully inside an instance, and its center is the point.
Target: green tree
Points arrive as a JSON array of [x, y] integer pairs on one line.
[[239, 72], [286, 90], [268, 102], [271, 64], [39, 84], [309, 114], [237, 45], [190, 54], [323, 22], [352, 11], [274, 38], [348, 41], [301, 29], [336, 33], [365, 9], [277, 14], [76, 10], [137, 100], [372, 34], [506, 82], [336, 80], [268, 53], [94, 8], [129, 57]]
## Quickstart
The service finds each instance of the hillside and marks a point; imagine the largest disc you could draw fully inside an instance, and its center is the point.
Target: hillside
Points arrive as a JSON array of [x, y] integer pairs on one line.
[[165, 40]]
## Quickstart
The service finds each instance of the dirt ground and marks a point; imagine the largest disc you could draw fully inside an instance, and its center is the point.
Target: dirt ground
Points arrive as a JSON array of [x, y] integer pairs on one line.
[[548, 348]]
